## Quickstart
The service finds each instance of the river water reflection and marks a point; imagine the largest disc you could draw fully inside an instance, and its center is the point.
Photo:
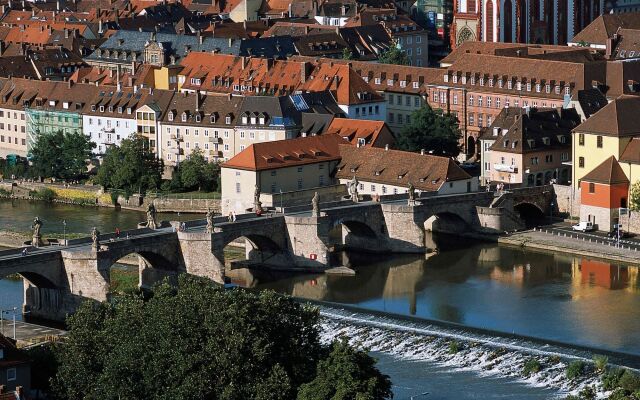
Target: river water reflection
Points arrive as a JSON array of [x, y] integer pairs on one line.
[[556, 297]]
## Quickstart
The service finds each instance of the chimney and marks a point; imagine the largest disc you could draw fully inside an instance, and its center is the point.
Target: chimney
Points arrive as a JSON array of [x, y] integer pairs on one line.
[[197, 101], [244, 62], [135, 89], [230, 42], [70, 84], [386, 147], [306, 29], [609, 48], [66, 33], [304, 71], [422, 151]]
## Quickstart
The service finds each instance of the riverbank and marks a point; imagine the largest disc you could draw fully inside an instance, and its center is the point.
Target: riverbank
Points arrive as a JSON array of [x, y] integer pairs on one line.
[[570, 245]]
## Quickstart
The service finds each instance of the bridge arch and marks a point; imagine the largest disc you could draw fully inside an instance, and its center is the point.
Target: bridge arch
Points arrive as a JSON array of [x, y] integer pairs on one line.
[[446, 222], [531, 213]]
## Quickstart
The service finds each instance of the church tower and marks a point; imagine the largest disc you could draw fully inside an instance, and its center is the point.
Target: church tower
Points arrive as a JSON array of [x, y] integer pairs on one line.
[[466, 24]]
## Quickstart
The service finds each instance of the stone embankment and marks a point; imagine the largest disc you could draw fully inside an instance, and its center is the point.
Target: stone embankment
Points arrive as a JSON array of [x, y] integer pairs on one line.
[[86, 195], [572, 244]]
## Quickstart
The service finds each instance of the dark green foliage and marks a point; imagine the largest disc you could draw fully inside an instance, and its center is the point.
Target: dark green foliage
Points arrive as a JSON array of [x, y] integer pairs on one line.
[[600, 362], [531, 366], [44, 194], [345, 375], [43, 367], [19, 169], [131, 167], [61, 155], [195, 342], [611, 378], [588, 393], [196, 173], [454, 347], [431, 130], [394, 55], [630, 381], [575, 370], [347, 54]]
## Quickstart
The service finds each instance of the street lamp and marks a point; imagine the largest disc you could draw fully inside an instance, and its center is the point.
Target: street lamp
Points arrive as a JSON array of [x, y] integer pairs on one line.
[[64, 230], [281, 209]]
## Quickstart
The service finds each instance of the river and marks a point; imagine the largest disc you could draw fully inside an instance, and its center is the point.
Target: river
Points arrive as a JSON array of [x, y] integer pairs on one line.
[[393, 306]]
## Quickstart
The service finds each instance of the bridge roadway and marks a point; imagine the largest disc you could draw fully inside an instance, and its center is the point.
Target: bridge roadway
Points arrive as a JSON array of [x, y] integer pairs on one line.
[[61, 277]]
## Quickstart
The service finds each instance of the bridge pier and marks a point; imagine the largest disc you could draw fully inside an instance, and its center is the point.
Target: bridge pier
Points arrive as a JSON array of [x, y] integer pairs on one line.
[[202, 255]]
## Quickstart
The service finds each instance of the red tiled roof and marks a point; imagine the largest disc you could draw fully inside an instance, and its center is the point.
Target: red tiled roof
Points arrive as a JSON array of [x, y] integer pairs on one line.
[[614, 119], [398, 168], [353, 130], [609, 172], [287, 153]]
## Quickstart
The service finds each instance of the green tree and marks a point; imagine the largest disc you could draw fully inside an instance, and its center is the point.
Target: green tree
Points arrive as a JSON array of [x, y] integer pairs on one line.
[[61, 155], [131, 167], [634, 196], [394, 55], [431, 130], [347, 374], [198, 341], [347, 54], [192, 170]]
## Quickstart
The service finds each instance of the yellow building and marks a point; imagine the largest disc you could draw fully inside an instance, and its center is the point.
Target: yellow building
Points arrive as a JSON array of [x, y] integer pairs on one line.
[[606, 133]]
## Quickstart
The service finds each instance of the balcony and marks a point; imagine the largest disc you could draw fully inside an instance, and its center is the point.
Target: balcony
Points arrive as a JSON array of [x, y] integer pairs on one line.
[[177, 138], [505, 168], [215, 153], [176, 150], [215, 139]]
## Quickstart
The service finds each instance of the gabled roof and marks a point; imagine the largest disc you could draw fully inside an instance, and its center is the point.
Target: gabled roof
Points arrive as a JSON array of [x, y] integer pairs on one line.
[[398, 168], [287, 153], [603, 27], [609, 172], [631, 153], [614, 119], [353, 130]]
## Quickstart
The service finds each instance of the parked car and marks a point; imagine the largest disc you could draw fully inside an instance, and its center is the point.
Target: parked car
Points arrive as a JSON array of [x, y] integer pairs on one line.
[[583, 226]]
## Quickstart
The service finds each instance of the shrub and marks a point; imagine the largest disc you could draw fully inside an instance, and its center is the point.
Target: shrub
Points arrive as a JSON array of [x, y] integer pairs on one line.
[[531, 366], [114, 198], [611, 378], [454, 347], [575, 370], [630, 381], [588, 393], [44, 194], [600, 362]]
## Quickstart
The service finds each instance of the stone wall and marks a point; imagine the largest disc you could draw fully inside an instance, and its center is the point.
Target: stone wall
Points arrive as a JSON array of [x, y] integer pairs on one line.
[[631, 222], [567, 200]]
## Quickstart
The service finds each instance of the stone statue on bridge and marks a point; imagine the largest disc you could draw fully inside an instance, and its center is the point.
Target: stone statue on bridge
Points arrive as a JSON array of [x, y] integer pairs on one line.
[[257, 204], [209, 220], [36, 238], [315, 203], [353, 189], [151, 216], [95, 236], [411, 190]]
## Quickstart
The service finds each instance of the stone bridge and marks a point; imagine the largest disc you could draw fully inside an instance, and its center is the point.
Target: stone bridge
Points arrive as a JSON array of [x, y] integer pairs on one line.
[[59, 278]]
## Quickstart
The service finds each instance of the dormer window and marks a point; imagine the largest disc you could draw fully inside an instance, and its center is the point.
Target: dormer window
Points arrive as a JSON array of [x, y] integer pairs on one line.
[[227, 120], [93, 107], [490, 82], [198, 119], [464, 80], [389, 82], [65, 105], [212, 118], [506, 143], [416, 85], [403, 83], [128, 110], [500, 83], [170, 116], [546, 141], [244, 120], [261, 120], [537, 87], [110, 108], [455, 78], [253, 120], [119, 110], [473, 80], [446, 77], [567, 90], [557, 89], [101, 108], [376, 81], [547, 88], [528, 86], [481, 81], [184, 117]]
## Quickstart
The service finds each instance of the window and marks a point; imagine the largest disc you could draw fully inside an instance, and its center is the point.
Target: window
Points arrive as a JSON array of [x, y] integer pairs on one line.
[[581, 162], [373, 188], [592, 187], [471, 119], [237, 187], [599, 142], [488, 101], [479, 101], [11, 374], [299, 183], [581, 139], [455, 99], [471, 100], [299, 169]]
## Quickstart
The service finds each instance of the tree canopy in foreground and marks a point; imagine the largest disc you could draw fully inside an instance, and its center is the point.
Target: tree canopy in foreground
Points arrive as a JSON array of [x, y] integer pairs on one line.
[[61, 155], [198, 341]]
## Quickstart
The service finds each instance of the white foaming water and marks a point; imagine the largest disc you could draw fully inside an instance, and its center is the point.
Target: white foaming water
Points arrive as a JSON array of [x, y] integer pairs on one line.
[[483, 354]]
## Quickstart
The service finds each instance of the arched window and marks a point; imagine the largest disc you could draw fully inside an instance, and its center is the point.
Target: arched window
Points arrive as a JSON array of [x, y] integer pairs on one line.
[[508, 21]]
